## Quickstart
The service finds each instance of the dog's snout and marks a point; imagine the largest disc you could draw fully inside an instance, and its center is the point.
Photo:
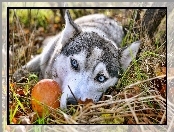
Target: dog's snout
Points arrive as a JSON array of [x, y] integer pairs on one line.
[[72, 101]]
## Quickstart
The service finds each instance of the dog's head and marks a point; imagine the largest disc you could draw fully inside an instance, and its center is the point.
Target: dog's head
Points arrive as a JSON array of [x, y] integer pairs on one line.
[[87, 64]]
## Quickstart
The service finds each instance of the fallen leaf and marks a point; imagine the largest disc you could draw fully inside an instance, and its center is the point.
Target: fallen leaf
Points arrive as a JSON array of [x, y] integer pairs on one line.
[[87, 101], [136, 90], [160, 85], [20, 92], [12, 85], [14, 120], [130, 121], [160, 71]]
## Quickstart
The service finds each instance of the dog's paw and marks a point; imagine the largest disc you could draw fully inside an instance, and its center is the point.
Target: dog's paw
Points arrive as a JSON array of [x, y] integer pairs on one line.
[[20, 75]]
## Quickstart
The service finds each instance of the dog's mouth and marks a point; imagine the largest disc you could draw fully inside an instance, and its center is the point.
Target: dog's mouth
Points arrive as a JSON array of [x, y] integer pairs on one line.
[[72, 100]]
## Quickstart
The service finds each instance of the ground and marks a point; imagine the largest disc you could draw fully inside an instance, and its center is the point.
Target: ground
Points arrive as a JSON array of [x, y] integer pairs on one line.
[[139, 97]]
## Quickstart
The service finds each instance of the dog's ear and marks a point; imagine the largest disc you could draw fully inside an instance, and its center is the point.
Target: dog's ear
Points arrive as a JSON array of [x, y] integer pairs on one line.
[[71, 29], [128, 54]]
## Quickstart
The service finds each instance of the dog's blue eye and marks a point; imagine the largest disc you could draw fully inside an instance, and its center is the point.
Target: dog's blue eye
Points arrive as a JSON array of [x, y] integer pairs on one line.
[[74, 64], [101, 78]]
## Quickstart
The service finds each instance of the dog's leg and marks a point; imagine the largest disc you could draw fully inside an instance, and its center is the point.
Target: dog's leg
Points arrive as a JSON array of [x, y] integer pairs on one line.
[[32, 66]]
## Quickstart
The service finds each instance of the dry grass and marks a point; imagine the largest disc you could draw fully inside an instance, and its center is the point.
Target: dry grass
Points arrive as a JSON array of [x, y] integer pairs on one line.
[[130, 106], [137, 99]]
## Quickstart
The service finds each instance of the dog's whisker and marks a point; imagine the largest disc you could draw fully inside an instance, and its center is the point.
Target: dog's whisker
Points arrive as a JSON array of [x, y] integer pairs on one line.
[[72, 93]]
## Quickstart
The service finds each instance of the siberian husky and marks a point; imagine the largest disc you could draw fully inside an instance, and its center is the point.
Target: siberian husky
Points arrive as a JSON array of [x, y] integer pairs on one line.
[[85, 58]]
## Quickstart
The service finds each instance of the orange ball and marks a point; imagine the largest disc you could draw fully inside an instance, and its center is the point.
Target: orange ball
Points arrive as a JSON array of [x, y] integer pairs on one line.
[[46, 93]]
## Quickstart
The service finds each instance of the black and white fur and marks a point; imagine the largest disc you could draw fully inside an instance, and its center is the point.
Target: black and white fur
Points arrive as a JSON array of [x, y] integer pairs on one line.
[[85, 57]]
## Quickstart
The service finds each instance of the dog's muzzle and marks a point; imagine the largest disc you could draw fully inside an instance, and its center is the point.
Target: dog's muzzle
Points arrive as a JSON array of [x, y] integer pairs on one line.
[[71, 101]]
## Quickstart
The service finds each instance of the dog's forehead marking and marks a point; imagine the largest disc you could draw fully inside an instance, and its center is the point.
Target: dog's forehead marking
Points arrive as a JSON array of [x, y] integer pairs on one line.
[[93, 59], [94, 55], [88, 42]]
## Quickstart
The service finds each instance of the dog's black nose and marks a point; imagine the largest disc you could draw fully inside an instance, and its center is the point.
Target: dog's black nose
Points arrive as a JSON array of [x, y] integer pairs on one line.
[[71, 101]]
